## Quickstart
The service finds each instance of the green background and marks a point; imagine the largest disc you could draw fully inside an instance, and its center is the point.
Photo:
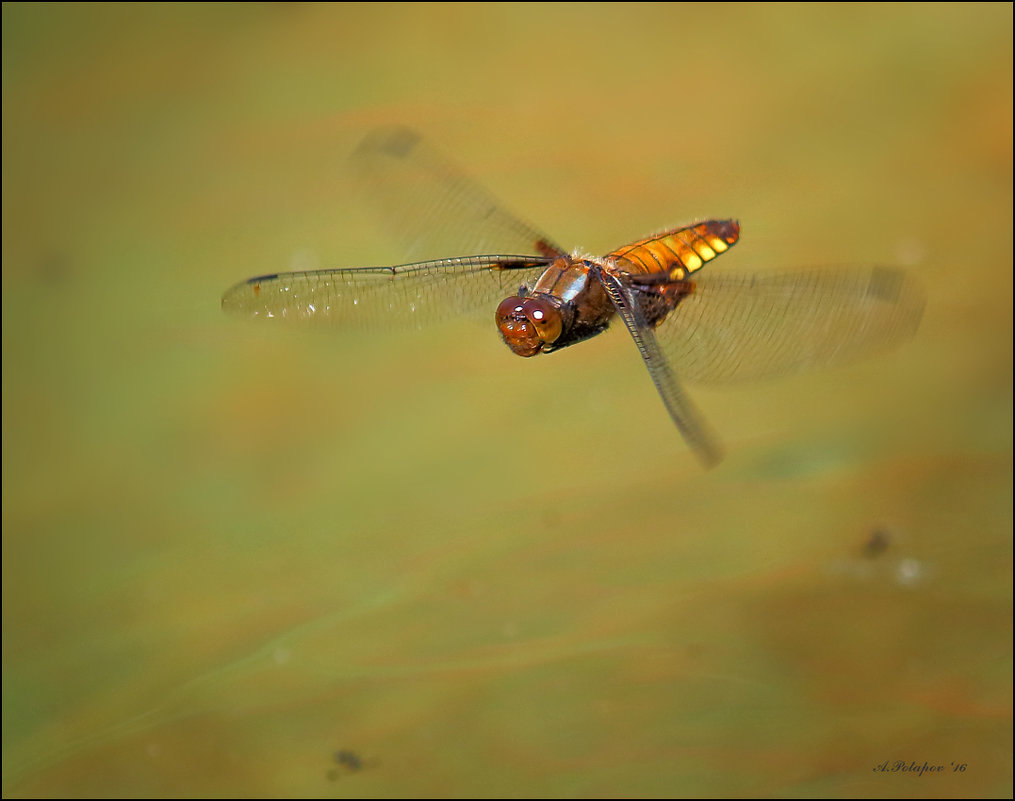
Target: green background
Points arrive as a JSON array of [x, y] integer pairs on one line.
[[230, 550]]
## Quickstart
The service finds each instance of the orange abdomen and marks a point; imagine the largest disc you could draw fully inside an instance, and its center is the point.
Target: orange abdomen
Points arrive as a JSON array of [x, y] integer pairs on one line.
[[678, 252]]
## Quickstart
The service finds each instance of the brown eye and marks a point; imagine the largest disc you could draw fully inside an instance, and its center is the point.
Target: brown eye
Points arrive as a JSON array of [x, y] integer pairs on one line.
[[527, 324], [519, 334], [544, 318]]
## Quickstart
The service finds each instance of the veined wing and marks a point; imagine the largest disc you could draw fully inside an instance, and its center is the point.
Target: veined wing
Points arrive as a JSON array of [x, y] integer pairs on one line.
[[431, 207], [370, 298], [682, 410], [746, 326]]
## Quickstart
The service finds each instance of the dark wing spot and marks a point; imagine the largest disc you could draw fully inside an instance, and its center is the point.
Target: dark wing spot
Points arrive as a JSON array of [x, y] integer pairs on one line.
[[400, 142], [886, 284]]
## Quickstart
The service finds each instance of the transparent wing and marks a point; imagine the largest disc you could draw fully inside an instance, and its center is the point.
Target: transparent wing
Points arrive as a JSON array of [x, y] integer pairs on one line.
[[683, 412], [387, 298], [738, 327], [432, 208]]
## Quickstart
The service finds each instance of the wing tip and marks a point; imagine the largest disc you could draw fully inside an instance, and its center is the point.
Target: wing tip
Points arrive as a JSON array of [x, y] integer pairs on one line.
[[396, 141]]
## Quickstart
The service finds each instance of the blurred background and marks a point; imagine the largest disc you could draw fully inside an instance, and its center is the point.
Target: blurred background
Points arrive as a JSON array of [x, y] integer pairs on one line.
[[232, 551]]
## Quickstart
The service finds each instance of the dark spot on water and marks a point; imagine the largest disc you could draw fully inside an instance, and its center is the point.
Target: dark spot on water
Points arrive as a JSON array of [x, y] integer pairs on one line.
[[347, 762], [877, 543], [349, 759]]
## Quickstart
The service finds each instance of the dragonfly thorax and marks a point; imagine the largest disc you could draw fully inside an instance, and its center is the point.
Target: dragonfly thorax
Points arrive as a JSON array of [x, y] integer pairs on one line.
[[530, 323]]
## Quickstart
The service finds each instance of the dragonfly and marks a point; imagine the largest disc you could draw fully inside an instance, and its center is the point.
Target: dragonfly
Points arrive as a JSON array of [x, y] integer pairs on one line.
[[706, 326]]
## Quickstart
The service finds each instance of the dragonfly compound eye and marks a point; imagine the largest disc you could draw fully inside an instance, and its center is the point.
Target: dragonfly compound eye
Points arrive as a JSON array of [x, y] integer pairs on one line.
[[528, 324], [544, 318]]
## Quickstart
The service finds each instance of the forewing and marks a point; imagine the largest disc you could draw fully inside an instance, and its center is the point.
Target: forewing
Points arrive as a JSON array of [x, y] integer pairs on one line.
[[682, 410], [742, 326], [385, 298], [431, 207]]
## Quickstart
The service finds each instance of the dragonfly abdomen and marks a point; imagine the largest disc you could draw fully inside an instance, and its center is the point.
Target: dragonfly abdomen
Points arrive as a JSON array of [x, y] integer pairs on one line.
[[679, 252]]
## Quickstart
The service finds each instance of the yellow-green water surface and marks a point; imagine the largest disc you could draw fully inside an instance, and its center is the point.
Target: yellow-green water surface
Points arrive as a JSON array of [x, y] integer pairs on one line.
[[232, 551]]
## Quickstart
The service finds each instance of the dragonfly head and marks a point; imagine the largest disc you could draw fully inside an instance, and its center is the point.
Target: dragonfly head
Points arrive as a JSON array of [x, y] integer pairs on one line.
[[529, 324]]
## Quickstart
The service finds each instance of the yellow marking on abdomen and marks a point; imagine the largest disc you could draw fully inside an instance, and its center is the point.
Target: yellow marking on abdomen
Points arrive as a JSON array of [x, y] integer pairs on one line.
[[678, 252]]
